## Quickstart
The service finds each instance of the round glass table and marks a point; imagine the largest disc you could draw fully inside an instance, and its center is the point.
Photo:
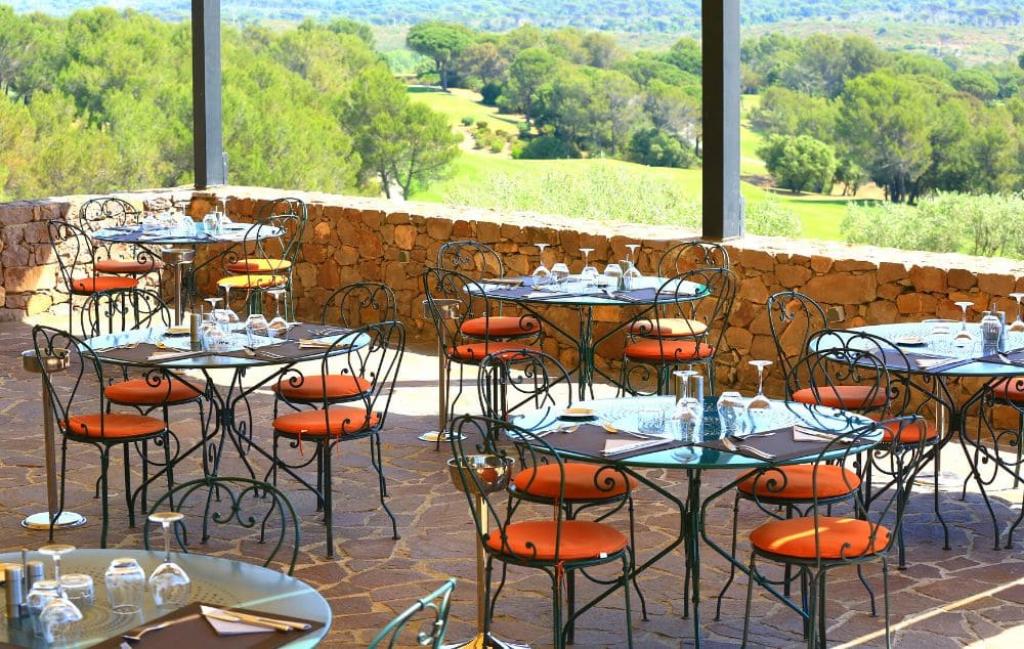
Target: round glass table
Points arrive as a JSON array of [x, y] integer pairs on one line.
[[215, 581], [624, 415], [573, 295]]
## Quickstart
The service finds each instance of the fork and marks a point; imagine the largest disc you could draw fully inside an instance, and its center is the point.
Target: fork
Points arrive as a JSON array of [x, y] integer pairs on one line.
[[137, 635], [732, 447]]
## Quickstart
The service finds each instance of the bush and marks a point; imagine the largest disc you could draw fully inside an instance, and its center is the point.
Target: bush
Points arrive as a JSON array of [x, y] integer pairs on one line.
[[524, 129], [770, 219], [490, 93], [799, 163], [467, 121], [545, 147], [497, 145], [656, 148], [482, 125]]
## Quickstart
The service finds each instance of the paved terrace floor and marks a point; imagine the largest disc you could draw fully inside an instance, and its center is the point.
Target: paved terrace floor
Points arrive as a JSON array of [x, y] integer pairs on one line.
[[969, 596]]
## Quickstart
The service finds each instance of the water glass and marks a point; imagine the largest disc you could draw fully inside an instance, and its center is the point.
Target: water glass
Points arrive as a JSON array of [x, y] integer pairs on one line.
[[211, 222], [42, 592], [256, 326], [560, 273], [79, 589], [126, 584], [652, 420], [730, 413], [613, 276]]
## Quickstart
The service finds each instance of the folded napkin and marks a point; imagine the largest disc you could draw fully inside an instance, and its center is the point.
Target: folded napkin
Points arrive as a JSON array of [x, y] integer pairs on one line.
[[325, 342], [166, 356], [620, 446], [801, 434]]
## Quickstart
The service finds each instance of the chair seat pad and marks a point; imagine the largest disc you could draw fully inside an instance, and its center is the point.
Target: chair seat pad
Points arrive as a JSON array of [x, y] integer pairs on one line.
[[797, 482], [258, 265], [838, 537], [504, 326], [909, 433], [147, 392], [667, 327], [579, 540], [88, 285], [252, 281], [583, 481], [313, 388], [113, 425], [1010, 389], [343, 420], [664, 350], [476, 352], [127, 266], [846, 397]]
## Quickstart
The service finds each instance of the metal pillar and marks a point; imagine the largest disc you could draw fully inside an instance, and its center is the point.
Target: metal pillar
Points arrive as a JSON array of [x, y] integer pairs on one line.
[[207, 115]]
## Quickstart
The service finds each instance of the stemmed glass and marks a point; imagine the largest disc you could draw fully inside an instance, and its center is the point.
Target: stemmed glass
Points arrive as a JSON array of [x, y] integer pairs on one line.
[[256, 327], [278, 326], [214, 304], [232, 316], [541, 274], [631, 273], [170, 584], [58, 618], [963, 337], [560, 273], [589, 273], [759, 401], [1018, 324]]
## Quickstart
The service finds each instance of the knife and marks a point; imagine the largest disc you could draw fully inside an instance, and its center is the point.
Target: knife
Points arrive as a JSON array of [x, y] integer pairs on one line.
[[258, 620]]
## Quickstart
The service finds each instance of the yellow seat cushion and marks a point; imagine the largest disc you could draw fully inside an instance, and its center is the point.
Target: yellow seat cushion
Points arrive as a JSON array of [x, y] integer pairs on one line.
[[667, 327], [252, 281], [259, 265]]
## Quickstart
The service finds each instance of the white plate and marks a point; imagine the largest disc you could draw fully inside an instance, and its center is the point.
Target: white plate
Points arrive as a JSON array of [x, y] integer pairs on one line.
[[911, 341]]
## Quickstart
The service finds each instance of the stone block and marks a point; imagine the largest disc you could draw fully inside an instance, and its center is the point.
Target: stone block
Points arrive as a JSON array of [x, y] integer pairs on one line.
[[27, 279], [889, 271], [961, 278], [753, 290], [843, 288], [916, 303], [821, 264], [756, 259], [995, 284], [847, 265], [791, 275], [405, 236], [928, 279]]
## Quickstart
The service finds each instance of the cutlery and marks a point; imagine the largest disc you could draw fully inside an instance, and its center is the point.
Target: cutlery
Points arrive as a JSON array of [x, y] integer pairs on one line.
[[259, 620], [768, 433], [135, 636], [732, 447], [608, 427]]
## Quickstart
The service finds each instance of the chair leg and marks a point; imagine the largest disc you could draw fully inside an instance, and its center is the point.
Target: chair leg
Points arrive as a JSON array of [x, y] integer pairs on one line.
[[627, 568], [570, 598], [821, 608], [556, 609], [54, 517], [128, 485], [104, 494], [752, 576], [732, 566], [885, 600], [486, 603], [169, 468], [632, 555], [328, 497], [812, 611], [375, 442], [938, 512]]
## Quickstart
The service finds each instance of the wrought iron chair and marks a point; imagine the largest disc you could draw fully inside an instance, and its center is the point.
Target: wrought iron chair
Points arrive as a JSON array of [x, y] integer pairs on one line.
[[264, 262], [817, 542], [84, 420], [155, 390], [691, 255], [481, 262], [372, 356], [360, 303], [226, 500], [529, 380], [116, 258], [453, 300], [793, 318], [433, 609], [76, 258], [551, 542], [689, 330]]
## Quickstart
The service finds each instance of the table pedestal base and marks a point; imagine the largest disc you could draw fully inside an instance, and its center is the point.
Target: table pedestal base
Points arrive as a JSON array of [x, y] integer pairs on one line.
[[489, 642], [41, 521]]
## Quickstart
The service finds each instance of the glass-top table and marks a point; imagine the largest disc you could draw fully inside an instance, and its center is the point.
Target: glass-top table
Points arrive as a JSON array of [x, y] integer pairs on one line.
[[215, 581], [197, 235]]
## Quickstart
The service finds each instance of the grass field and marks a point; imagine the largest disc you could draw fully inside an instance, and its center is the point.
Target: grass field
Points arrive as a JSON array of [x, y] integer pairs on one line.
[[819, 215]]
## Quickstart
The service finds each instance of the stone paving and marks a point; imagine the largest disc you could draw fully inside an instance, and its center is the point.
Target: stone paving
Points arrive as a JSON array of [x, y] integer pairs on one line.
[[969, 596]]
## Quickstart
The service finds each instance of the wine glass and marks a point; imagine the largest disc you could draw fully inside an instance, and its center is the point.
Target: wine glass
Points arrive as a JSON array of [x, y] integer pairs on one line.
[[228, 311], [278, 326], [170, 584], [759, 401], [560, 273], [58, 618], [541, 274], [214, 304], [589, 273], [633, 247], [963, 337], [1018, 324], [256, 327]]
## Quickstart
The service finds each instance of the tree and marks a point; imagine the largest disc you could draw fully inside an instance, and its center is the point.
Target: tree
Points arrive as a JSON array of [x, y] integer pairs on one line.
[[786, 112], [977, 82], [426, 147], [673, 110], [440, 42], [799, 163], [484, 63], [656, 148], [850, 175], [686, 55], [530, 70]]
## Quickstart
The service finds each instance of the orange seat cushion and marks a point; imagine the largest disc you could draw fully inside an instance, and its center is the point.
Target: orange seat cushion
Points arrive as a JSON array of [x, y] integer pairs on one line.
[[88, 285], [143, 392], [252, 281], [258, 265], [313, 423], [837, 537], [504, 326], [796, 482], [583, 481], [475, 352], [127, 266], [657, 350], [846, 397], [113, 425], [1010, 389], [579, 540], [667, 327], [909, 433], [312, 388]]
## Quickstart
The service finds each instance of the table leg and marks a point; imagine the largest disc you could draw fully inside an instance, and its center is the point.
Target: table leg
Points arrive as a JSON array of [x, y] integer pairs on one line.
[[693, 525], [585, 349]]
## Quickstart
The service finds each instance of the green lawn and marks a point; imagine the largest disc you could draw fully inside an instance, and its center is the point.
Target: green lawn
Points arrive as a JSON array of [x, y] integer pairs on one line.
[[819, 215]]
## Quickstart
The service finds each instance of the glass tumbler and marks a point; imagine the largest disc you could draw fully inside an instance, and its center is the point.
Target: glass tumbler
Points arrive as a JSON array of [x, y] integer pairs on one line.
[[126, 585]]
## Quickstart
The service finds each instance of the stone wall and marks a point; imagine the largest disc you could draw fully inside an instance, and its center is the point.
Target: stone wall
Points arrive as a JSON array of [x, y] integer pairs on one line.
[[350, 239]]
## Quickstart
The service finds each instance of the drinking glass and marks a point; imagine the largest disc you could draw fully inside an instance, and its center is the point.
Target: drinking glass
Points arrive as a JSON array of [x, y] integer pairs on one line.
[[126, 583], [963, 337], [256, 327], [631, 276], [79, 589], [541, 274], [560, 273], [42, 592], [232, 316], [730, 413], [1018, 324], [214, 303], [59, 617], [211, 222], [589, 273], [211, 335], [170, 584], [759, 400], [278, 326], [652, 420], [613, 276], [632, 252]]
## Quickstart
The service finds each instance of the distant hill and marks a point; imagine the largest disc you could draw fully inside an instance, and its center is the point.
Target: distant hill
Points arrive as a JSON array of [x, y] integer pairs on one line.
[[645, 16]]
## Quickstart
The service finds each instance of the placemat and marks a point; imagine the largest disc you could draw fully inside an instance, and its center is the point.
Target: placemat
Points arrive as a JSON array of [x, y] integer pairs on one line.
[[197, 632], [139, 354], [589, 440], [923, 362], [781, 446], [1014, 357], [637, 295]]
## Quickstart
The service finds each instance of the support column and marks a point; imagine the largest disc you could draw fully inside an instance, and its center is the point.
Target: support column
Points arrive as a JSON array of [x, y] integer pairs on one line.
[[207, 119]]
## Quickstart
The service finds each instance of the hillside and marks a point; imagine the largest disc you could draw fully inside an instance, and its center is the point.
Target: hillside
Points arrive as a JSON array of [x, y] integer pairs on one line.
[[643, 16]]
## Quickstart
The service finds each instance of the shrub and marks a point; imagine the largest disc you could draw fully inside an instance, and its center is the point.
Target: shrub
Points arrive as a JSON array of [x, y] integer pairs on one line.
[[482, 125], [524, 129], [497, 145], [467, 121], [490, 92], [656, 148], [770, 219], [545, 147], [799, 163]]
